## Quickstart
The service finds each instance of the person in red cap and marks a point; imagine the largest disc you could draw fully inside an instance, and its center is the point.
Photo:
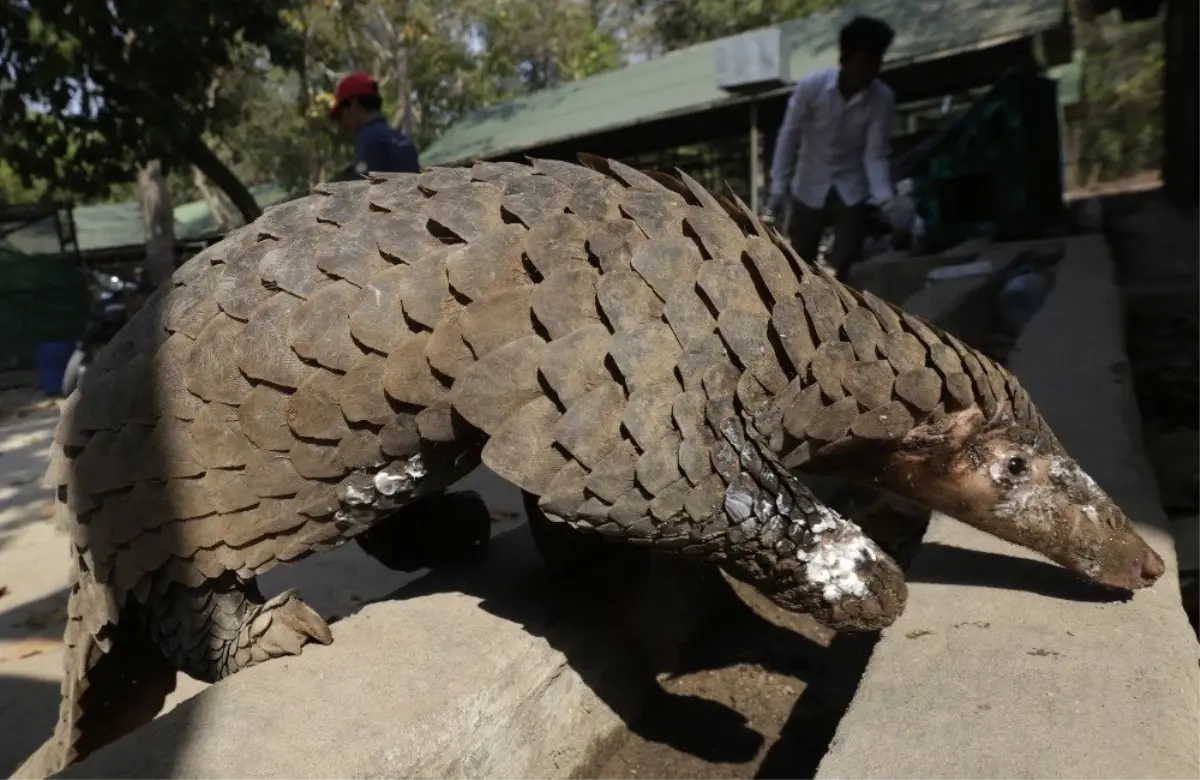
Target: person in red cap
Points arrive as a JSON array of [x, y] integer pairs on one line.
[[377, 146]]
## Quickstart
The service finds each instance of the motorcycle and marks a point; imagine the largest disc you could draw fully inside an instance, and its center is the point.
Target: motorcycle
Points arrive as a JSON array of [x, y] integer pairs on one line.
[[109, 313]]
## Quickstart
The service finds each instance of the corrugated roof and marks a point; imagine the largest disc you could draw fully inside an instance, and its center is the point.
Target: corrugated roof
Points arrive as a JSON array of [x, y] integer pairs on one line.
[[113, 225], [684, 81]]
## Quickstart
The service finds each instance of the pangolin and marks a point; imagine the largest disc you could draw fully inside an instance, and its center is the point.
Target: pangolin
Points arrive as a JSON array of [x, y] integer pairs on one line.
[[643, 358]]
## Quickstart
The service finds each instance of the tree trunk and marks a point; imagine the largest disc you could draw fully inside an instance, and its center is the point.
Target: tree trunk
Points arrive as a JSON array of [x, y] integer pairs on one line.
[[304, 104], [223, 212], [159, 219], [200, 155], [403, 65]]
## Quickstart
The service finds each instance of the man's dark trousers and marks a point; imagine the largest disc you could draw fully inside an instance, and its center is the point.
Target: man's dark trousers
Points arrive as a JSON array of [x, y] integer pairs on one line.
[[805, 225]]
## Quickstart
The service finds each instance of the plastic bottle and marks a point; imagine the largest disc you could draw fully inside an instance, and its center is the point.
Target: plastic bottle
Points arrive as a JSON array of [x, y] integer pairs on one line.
[[1022, 296]]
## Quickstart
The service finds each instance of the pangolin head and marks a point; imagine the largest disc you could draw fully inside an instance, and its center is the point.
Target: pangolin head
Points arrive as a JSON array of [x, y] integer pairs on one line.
[[1014, 480]]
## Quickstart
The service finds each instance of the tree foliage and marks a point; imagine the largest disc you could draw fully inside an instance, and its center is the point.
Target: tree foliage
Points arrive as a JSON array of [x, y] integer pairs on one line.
[[537, 44], [1121, 131], [240, 90], [95, 88], [436, 61], [680, 23]]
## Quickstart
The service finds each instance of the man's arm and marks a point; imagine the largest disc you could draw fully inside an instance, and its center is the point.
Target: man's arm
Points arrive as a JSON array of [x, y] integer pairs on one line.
[[877, 155], [787, 143]]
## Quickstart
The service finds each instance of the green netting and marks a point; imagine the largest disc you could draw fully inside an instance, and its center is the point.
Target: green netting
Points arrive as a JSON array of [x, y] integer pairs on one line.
[[41, 299], [997, 171]]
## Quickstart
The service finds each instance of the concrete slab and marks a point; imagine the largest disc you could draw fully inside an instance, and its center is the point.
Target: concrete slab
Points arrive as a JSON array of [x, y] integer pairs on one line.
[[33, 575], [903, 278], [1006, 666], [488, 670], [492, 672], [1174, 452], [894, 276]]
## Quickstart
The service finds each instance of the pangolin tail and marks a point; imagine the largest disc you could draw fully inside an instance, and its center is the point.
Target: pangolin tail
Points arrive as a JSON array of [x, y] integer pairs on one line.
[[114, 680]]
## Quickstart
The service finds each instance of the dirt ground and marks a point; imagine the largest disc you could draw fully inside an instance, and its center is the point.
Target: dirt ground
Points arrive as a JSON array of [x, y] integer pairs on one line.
[[761, 690]]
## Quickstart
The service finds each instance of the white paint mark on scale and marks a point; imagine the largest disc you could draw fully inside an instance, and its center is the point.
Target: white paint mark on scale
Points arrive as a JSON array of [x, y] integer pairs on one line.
[[390, 488], [833, 565], [400, 478]]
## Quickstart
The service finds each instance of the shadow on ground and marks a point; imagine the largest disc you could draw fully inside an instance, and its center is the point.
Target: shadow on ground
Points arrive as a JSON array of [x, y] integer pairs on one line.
[[37, 701], [43, 617], [615, 622], [710, 728], [947, 565]]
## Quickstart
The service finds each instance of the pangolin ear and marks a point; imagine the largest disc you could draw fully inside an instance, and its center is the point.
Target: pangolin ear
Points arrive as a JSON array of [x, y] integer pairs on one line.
[[948, 432]]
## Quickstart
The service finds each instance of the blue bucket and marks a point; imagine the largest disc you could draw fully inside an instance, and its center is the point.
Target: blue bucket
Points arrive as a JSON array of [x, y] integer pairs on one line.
[[50, 358]]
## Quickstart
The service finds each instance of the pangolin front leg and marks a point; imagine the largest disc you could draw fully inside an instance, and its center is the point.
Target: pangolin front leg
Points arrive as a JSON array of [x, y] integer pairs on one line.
[[226, 625], [748, 514], [801, 553]]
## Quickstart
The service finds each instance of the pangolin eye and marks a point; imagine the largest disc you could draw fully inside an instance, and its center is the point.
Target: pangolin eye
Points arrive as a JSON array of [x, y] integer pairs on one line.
[[1017, 466]]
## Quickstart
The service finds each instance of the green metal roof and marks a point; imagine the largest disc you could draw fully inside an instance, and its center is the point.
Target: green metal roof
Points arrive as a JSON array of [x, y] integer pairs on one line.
[[684, 81], [115, 225]]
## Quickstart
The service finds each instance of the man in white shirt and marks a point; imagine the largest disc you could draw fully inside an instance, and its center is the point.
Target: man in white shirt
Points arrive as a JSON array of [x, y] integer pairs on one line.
[[831, 155]]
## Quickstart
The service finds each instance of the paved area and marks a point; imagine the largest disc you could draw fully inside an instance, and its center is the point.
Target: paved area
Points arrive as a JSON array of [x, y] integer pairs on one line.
[[33, 573], [485, 669], [33, 570]]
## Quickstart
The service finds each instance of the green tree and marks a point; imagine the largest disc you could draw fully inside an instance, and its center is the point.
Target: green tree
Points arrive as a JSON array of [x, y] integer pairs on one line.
[[537, 44], [436, 61], [422, 52], [418, 50], [680, 23], [97, 88], [1120, 133], [277, 133], [14, 190]]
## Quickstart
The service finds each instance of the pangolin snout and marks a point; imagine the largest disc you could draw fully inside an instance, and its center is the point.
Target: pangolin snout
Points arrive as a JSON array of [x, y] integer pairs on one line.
[[1092, 528], [1146, 571], [1010, 482], [1141, 570]]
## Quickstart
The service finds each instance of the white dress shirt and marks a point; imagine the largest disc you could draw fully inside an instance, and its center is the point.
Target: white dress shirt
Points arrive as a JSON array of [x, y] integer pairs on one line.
[[826, 140]]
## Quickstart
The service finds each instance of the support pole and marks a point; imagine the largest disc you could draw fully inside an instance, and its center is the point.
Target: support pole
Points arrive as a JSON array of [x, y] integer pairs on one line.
[[756, 172]]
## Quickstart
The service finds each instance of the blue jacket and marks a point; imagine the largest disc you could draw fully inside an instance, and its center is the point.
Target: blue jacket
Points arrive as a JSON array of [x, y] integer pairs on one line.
[[380, 148]]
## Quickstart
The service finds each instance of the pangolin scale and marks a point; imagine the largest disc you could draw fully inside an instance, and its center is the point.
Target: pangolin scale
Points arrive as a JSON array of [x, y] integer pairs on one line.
[[642, 355]]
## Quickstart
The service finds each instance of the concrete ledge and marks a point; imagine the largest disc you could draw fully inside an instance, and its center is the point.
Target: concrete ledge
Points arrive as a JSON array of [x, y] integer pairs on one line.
[[486, 670], [902, 278], [1007, 666], [894, 276]]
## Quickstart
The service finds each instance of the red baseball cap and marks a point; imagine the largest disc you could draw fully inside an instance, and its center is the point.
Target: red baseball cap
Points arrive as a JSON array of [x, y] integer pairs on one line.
[[354, 85]]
